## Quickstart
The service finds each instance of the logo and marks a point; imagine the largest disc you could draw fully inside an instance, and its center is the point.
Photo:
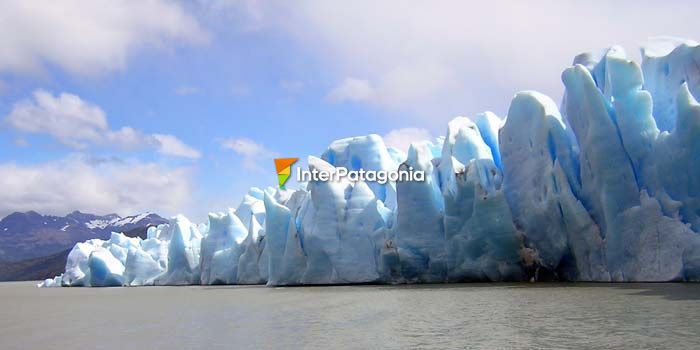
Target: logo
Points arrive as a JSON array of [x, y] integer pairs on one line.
[[379, 176], [284, 169]]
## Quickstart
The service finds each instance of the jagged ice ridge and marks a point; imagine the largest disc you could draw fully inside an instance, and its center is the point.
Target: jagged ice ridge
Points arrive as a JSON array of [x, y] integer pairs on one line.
[[604, 188]]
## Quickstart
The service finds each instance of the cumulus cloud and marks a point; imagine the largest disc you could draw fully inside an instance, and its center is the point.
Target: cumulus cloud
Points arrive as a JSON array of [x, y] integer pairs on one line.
[[75, 183], [89, 37], [65, 117], [351, 89], [78, 124], [401, 139], [434, 61], [172, 146], [253, 153]]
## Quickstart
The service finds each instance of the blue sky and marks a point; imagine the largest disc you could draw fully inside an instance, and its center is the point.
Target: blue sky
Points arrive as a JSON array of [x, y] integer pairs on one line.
[[180, 106]]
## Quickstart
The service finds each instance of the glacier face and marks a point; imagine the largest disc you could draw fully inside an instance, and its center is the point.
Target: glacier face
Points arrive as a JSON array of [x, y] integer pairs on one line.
[[605, 187]]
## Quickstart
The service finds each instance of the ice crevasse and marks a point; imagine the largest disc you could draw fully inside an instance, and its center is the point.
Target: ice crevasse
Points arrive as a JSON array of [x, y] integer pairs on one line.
[[603, 187]]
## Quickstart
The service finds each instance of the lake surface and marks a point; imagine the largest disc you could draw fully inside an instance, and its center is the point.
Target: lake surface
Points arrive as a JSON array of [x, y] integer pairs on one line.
[[471, 316]]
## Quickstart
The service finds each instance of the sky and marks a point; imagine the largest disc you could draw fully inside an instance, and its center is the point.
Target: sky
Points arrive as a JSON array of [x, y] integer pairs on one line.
[[179, 107]]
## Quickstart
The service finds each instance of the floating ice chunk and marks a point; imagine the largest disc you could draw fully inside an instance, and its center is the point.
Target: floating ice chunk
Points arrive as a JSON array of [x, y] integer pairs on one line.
[[51, 282]]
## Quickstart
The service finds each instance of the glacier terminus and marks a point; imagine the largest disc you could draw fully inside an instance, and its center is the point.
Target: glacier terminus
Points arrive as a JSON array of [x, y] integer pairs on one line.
[[603, 187]]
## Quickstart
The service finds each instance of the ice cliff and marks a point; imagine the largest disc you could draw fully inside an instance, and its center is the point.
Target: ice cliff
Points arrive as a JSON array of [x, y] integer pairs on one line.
[[604, 187]]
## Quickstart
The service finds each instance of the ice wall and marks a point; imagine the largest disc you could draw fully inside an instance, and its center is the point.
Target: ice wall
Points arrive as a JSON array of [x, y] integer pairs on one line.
[[604, 188]]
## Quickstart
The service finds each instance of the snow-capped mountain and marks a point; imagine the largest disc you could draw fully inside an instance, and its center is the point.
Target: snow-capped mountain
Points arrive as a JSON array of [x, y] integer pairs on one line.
[[31, 235]]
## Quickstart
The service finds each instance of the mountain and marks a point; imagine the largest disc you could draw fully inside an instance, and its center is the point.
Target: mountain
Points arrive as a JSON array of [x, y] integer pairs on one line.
[[35, 268], [31, 235]]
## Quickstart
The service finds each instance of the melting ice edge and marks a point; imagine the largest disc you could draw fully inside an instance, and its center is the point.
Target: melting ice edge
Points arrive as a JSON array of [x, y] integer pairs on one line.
[[605, 188]]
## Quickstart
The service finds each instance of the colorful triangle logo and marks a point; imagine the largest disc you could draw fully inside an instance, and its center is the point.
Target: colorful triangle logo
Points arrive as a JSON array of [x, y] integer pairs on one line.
[[284, 169]]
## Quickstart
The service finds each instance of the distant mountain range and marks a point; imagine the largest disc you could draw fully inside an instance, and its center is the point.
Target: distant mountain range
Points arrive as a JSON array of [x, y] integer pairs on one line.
[[32, 245]]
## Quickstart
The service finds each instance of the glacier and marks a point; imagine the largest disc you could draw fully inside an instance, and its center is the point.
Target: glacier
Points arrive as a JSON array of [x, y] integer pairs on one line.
[[603, 187]]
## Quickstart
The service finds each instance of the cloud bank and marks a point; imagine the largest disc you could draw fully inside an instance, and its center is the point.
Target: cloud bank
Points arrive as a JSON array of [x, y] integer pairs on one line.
[[79, 124], [101, 187], [89, 37], [433, 61]]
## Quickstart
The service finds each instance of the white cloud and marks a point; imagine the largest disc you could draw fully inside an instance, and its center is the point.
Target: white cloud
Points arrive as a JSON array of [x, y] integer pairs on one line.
[[252, 152], [401, 139], [351, 89], [435, 61], [73, 183], [78, 124], [172, 146], [245, 147], [88, 37], [66, 117], [247, 15]]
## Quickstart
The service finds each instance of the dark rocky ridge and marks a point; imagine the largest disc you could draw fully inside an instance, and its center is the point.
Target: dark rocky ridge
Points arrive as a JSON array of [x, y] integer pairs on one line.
[[35, 246]]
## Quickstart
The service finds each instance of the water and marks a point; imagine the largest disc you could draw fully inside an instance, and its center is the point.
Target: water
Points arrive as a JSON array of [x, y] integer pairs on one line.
[[471, 316]]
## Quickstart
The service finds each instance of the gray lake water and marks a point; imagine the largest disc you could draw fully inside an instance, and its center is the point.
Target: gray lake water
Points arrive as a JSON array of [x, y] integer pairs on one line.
[[463, 316]]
